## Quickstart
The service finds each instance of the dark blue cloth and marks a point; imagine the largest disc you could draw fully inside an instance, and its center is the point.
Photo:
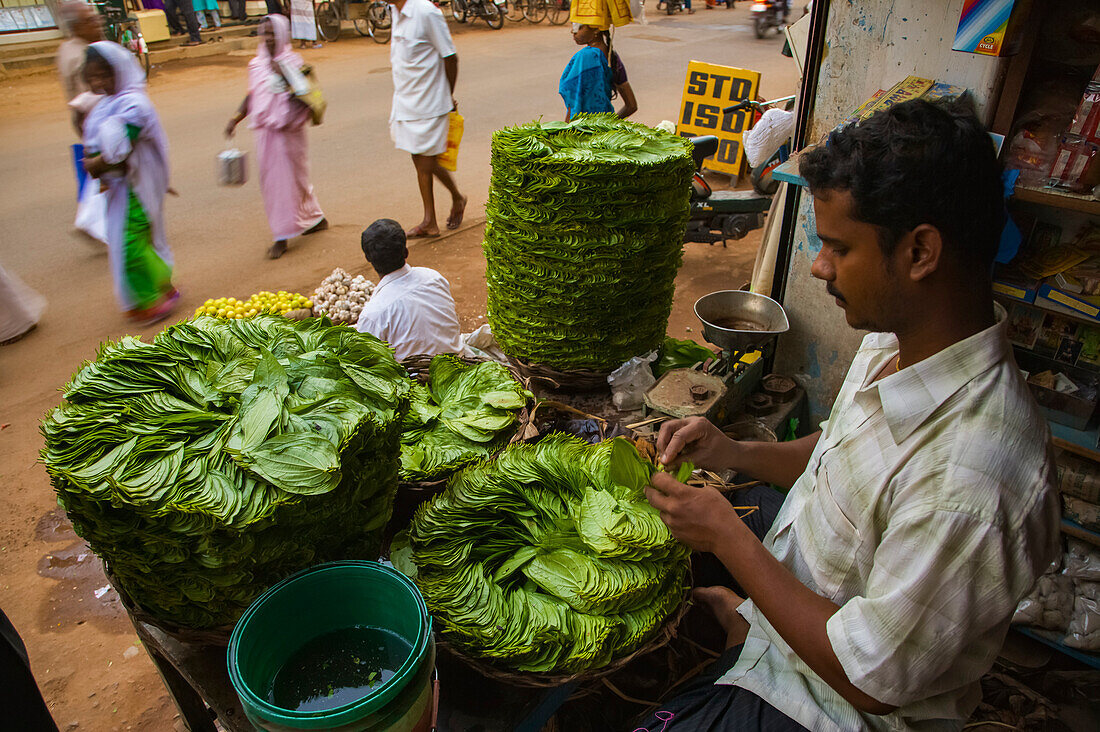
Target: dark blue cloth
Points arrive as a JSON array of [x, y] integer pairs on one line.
[[585, 85], [702, 706], [78, 163]]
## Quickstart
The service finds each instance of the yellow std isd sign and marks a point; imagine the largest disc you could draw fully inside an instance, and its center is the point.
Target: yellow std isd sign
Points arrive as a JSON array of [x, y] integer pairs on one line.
[[708, 90]]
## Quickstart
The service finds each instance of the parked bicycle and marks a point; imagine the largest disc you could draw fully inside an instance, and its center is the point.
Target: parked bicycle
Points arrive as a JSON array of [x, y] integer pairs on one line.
[[122, 28], [533, 11], [557, 11], [489, 10], [370, 17]]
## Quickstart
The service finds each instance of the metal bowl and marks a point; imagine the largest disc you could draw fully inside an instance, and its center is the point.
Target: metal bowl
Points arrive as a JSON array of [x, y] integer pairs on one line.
[[727, 315]]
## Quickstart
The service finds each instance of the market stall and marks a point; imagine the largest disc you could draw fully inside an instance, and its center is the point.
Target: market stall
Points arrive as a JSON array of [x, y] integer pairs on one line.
[[227, 471]]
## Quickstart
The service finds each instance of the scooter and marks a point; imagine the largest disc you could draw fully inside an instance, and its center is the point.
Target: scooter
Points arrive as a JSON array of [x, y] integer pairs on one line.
[[769, 14], [721, 216]]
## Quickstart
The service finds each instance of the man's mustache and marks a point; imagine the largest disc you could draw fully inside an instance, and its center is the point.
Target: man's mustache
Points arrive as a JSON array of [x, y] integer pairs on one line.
[[835, 293]]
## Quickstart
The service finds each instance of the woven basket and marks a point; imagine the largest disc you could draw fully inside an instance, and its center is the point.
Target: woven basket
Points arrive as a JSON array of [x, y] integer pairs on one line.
[[567, 381], [206, 637], [664, 635], [417, 368]]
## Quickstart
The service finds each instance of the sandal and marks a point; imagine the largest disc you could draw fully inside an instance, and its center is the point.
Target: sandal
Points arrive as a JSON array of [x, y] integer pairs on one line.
[[160, 311], [321, 225], [418, 232], [19, 337]]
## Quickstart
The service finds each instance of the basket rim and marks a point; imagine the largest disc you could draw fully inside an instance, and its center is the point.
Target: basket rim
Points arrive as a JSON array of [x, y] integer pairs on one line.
[[575, 380]]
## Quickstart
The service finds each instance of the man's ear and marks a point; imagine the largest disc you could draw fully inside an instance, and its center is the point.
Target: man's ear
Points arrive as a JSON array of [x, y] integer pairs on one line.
[[921, 252], [406, 255]]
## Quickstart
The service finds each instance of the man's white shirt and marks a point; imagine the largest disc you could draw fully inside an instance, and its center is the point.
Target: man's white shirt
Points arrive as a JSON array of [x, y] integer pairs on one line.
[[420, 42], [412, 309], [926, 512]]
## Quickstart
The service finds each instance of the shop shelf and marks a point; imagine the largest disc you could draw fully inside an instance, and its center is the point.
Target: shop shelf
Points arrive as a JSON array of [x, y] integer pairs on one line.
[[1054, 640], [1079, 442], [1058, 199]]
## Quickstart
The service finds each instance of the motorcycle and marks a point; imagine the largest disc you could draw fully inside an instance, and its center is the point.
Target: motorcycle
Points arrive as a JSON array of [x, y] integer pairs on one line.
[[721, 216], [769, 14]]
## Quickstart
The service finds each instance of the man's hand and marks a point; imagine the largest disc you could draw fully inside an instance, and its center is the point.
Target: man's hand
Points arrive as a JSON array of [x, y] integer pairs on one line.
[[698, 516], [695, 439]]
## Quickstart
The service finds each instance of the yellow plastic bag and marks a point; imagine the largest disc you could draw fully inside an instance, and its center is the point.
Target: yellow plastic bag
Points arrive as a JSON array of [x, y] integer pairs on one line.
[[449, 159]]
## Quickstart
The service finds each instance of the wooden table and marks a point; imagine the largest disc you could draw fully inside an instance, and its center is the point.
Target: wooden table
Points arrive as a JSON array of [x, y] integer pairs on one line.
[[197, 677]]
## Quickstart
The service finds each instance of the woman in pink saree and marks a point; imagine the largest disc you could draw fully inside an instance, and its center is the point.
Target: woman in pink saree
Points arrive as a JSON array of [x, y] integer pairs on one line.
[[278, 124]]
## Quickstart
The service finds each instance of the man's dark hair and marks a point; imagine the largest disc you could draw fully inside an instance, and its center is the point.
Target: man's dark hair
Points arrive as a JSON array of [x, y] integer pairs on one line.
[[917, 163], [383, 245]]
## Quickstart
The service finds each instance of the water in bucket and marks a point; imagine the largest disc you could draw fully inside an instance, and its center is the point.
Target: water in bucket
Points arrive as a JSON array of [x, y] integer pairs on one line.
[[338, 668]]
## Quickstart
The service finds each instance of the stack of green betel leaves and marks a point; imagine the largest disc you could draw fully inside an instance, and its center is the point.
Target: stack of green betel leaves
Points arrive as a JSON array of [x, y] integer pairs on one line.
[[465, 412], [226, 454], [547, 558], [583, 239]]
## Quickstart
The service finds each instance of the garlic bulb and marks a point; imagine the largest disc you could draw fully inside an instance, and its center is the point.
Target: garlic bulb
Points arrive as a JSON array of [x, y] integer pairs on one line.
[[341, 296]]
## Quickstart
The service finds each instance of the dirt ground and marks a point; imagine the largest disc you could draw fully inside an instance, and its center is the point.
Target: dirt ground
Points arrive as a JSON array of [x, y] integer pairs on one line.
[[85, 655]]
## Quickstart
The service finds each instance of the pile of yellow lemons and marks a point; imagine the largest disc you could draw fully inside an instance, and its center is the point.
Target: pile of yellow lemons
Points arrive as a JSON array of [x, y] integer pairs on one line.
[[277, 303]]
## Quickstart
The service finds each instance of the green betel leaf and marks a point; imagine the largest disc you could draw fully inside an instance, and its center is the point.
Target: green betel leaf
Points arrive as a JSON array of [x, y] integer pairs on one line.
[[531, 562], [584, 235], [262, 402], [465, 413], [627, 469], [297, 463], [227, 454]]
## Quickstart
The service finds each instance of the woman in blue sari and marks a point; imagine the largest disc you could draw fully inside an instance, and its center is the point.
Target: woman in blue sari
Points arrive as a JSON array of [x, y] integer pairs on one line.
[[594, 76]]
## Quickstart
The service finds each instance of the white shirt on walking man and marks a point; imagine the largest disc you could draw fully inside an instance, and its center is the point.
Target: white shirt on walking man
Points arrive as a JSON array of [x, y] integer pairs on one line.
[[425, 68]]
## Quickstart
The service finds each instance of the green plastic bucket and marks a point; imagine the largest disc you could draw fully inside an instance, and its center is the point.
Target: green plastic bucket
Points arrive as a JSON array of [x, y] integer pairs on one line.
[[324, 599]]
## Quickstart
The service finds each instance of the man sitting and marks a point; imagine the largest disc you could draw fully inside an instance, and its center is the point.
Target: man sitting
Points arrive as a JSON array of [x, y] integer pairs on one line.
[[412, 308], [924, 509]]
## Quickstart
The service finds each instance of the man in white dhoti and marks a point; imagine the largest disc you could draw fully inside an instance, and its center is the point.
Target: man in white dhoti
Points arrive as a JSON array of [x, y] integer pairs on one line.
[[425, 68]]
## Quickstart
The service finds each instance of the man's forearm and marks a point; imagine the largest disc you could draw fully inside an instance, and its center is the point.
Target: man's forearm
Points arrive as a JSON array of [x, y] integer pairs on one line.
[[450, 68], [797, 613], [778, 463]]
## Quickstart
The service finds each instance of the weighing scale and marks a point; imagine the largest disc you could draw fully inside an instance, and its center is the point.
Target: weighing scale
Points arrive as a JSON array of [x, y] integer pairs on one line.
[[745, 326]]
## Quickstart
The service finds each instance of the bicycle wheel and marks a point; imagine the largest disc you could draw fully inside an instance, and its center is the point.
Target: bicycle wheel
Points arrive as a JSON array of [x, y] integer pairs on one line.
[[535, 10], [328, 21], [514, 10], [558, 12], [458, 10], [362, 26], [494, 16], [381, 22]]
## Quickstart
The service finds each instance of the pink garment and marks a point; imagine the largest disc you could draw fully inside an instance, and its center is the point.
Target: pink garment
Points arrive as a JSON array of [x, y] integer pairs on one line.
[[279, 127], [284, 181]]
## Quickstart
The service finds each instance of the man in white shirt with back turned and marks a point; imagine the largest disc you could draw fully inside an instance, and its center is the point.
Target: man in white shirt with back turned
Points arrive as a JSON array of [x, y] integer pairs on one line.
[[411, 308], [424, 65], [924, 509]]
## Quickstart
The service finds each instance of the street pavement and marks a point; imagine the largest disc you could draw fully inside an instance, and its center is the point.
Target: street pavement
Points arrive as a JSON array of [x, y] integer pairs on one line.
[[84, 657]]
